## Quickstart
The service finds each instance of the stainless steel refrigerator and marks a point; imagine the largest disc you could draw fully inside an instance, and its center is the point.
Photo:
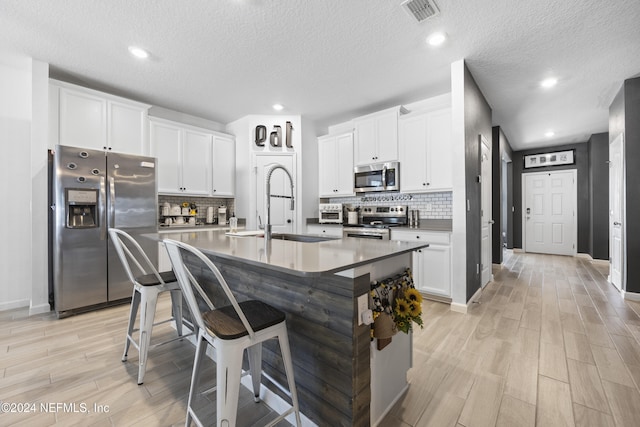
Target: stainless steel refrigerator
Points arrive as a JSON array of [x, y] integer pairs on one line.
[[92, 191]]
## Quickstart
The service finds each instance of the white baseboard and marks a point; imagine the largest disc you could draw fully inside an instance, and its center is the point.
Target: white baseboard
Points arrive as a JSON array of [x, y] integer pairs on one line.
[[464, 308], [38, 309], [630, 296], [10, 305]]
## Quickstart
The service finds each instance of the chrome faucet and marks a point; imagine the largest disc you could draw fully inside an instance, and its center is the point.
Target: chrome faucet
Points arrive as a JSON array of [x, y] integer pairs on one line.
[[267, 222]]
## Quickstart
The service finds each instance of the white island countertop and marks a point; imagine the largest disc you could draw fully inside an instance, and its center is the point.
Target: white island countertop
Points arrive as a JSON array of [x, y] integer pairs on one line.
[[299, 258]]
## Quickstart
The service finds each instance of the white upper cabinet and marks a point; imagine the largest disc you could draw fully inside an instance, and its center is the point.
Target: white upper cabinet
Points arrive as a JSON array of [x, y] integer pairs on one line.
[[196, 162], [425, 151], [335, 164], [91, 119], [184, 157], [224, 166], [192, 160], [376, 137]]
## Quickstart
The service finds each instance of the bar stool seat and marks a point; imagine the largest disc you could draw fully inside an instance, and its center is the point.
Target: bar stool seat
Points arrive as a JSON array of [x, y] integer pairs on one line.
[[147, 286], [230, 330]]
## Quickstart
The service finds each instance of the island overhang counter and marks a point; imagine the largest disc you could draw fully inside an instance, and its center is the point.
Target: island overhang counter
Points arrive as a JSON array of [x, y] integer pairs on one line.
[[342, 380]]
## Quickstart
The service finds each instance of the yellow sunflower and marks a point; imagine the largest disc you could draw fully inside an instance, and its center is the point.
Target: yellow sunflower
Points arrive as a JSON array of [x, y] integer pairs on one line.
[[402, 307], [413, 295], [415, 309]]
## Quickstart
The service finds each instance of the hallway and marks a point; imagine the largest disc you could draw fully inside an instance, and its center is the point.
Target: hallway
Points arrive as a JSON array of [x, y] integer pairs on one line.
[[551, 344]]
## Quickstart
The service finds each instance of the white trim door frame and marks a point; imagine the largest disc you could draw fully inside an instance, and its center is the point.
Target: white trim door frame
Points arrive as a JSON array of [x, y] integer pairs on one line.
[[617, 241], [549, 212]]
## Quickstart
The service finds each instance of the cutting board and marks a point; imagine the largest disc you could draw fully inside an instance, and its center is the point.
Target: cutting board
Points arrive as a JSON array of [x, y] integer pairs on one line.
[[245, 233]]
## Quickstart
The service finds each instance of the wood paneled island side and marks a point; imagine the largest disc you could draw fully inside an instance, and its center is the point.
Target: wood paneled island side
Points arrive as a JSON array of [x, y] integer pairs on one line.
[[317, 285]]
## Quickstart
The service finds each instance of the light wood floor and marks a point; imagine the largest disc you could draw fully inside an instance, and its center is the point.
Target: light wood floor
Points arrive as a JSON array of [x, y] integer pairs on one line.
[[77, 360], [551, 344]]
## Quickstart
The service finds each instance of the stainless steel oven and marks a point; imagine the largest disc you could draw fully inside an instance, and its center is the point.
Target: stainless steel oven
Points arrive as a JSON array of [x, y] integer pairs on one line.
[[376, 222], [367, 232], [377, 177]]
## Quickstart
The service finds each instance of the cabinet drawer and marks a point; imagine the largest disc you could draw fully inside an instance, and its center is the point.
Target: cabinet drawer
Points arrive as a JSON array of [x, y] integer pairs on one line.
[[434, 237]]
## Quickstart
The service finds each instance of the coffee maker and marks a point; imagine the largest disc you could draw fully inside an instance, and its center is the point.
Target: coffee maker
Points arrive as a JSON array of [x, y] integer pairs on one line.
[[222, 215]]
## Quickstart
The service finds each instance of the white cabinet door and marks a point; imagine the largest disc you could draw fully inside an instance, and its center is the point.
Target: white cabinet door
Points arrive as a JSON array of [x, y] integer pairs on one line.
[[434, 267], [365, 148], [431, 265], [439, 161], [223, 167], [127, 128], [196, 162], [335, 163], [376, 138], [83, 120], [413, 152], [425, 152], [166, 147], [344, 164]]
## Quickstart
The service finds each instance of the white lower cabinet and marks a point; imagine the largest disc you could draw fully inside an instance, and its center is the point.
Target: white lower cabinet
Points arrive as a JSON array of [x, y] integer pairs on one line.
[[331, 230], [431, 265]]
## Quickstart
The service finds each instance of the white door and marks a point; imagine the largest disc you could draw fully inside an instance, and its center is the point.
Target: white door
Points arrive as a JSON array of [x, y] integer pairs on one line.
[[485, 214], [549, 212], [616, 209], [281, 214]]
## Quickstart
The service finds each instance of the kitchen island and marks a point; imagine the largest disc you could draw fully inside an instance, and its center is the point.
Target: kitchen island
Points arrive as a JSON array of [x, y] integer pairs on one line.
[[317, 285]]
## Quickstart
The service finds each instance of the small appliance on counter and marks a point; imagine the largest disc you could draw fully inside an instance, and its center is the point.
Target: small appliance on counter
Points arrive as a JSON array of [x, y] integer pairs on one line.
[[330, 213], [209, 219], [222, 215], [353, 215]]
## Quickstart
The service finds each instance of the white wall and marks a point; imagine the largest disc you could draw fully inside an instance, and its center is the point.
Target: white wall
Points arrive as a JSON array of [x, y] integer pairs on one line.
[[15, 182], [459, 204]]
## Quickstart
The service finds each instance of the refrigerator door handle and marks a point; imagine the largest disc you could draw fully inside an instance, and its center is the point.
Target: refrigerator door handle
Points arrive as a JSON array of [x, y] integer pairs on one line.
[[103, 213], [112, 202]]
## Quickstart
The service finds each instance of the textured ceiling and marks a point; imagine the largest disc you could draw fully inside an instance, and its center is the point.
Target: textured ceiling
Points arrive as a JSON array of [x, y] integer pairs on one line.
[[332, 60]]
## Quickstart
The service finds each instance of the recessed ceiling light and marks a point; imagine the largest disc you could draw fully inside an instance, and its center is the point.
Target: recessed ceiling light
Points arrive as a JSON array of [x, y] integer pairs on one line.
[[278, 107], [549, 134], [549, 83], [138, 52], [436, 39]]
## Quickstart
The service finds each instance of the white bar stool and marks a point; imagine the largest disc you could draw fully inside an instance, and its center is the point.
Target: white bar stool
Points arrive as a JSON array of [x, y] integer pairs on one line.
[[230, 330], [147, 285]]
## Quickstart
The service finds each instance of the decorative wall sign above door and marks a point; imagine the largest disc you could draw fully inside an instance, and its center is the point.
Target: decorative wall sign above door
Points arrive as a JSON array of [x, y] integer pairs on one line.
[[549, 159]]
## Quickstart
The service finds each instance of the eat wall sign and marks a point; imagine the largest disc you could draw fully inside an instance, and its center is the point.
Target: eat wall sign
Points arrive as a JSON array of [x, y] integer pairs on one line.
[[275, 137]]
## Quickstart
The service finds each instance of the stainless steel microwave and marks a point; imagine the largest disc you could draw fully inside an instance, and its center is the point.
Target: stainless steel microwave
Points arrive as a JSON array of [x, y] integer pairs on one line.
[[377, 177]]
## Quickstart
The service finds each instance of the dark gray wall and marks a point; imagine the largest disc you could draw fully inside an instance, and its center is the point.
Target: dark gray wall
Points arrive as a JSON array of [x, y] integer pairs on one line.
[[582, 165], [501, 149], [599, 196], [477, 121], [623, 118]]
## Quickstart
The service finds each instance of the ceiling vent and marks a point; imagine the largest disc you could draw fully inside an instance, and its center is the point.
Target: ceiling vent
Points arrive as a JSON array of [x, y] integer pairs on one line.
[[421, 10]]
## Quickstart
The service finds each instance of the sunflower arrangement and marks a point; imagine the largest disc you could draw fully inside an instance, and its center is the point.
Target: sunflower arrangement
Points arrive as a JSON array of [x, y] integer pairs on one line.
[[398, 297]]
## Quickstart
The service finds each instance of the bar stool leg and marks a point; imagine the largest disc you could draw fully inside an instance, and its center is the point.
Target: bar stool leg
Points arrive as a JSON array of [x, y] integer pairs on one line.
[[133, 312], [201, 350], [176, 309], [147, 315], [228, 373], [254, 354], [283, 339]]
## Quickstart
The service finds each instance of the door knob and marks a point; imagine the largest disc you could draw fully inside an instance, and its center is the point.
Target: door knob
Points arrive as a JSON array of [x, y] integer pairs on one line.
[[617, 223], [491, 221]]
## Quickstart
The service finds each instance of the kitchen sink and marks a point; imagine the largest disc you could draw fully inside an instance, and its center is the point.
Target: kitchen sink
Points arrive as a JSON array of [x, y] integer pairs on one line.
[[307, 238]]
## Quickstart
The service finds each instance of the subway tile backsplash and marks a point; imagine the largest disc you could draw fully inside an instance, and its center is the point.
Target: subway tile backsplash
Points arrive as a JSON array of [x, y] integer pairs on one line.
[[430, 205], [202, 203]]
